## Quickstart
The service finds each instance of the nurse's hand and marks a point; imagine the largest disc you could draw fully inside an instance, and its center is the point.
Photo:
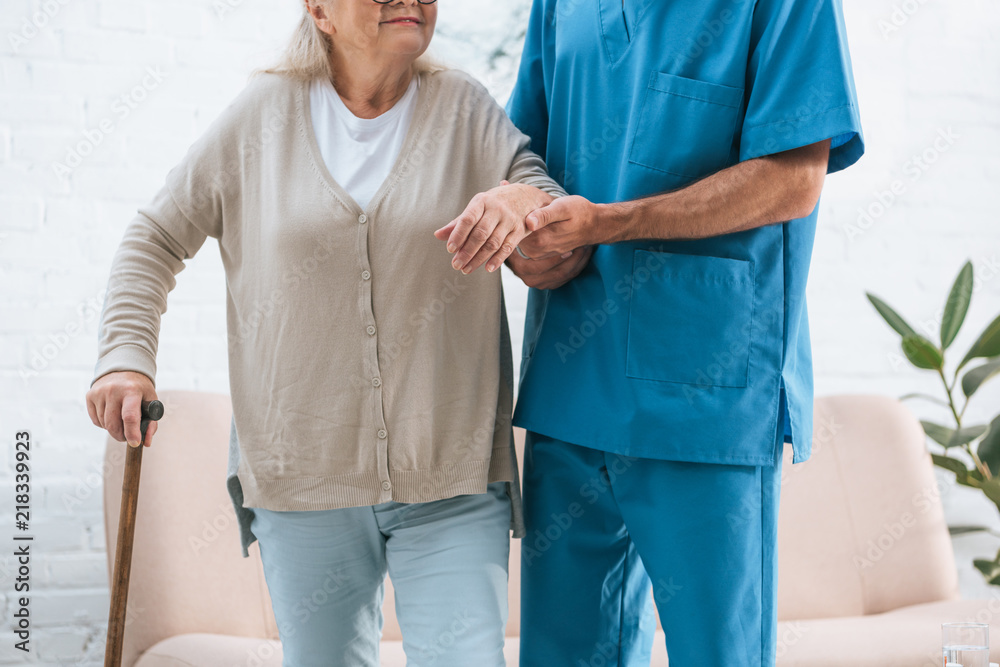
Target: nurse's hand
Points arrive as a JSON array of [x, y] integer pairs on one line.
[[565, 224], [492, 225], [552, 272]]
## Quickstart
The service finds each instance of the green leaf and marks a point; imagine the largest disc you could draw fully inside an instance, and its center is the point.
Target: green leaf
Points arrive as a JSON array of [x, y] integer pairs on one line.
[[967, 434], [987, 345], [987, 567], [991, 488], [942, 435], [954, 465], [966, 530], [989, 448], [922, 353], [957, 306], [975, 378], [891, 316]]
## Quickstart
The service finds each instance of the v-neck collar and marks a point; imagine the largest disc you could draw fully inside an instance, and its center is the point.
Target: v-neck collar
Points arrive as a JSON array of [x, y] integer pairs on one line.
[[308, 131], [619, 25]]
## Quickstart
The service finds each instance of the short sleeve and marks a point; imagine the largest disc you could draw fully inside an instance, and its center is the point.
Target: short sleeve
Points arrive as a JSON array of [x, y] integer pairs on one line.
[[800, 86], [528, 103]]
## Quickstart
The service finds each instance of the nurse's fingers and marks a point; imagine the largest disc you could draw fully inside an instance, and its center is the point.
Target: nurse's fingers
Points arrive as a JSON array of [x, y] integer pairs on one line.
[[559, 210], [564, 271], [528, 268]]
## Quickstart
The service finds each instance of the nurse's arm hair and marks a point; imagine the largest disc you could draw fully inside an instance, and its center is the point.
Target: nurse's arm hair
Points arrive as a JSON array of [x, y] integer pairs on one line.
[[757, 192]]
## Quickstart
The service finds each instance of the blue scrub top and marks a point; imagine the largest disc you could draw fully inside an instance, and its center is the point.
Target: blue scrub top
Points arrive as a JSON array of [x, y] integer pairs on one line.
[[679, 350]]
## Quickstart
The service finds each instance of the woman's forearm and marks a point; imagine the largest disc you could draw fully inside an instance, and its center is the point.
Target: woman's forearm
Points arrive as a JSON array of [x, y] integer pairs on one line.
[[142, 273], [528, 168]]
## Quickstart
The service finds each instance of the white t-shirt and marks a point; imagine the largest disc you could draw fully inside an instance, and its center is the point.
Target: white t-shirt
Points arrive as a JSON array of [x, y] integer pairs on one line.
[[359, 152]]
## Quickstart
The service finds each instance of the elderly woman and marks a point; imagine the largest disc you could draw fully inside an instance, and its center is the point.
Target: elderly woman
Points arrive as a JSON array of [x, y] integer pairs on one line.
[[371, 381]]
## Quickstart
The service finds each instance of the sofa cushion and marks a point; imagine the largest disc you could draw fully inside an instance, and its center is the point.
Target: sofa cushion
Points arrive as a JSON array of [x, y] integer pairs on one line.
[[202, 649], [860, 529], [909, 637]]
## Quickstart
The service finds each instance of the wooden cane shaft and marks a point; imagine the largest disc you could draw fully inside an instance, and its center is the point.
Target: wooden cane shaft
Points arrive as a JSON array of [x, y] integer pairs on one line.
[[123, 557]]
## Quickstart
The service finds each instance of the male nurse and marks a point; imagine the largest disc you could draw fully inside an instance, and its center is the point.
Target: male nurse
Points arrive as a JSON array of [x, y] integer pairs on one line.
[[660, 379]]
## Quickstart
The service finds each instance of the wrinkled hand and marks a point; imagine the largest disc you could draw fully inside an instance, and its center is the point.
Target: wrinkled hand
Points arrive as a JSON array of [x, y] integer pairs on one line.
[[115, 404], [492, 225], [564, 225], [551, 272]]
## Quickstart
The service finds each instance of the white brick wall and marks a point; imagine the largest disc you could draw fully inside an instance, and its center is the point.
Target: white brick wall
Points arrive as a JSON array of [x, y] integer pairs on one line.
[[939, 70]]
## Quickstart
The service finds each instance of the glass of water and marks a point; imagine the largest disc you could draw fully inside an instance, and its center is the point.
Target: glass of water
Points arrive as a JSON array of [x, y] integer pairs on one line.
[[966, 644]]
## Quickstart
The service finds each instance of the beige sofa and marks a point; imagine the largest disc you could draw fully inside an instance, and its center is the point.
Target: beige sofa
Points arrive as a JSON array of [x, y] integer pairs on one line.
[[867, 573]]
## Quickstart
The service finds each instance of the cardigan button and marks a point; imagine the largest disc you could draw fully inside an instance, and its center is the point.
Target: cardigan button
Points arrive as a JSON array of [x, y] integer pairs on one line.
[[366, 275], [370, 330], [376, 382], [386, 485], [362, 218], [382, 434]]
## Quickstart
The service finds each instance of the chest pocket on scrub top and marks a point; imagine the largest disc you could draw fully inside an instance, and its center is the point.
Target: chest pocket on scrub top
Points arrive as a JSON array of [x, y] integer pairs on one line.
[[686, 126]]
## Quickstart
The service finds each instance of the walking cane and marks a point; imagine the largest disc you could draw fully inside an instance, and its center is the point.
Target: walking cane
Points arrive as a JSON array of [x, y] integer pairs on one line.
[[151, 411]]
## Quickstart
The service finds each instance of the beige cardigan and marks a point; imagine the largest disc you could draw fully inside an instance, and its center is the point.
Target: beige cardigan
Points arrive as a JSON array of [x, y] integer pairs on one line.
[[363, 368]]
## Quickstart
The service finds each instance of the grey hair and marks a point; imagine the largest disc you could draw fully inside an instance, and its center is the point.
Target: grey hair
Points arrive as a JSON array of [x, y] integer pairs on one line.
[[307, 55]]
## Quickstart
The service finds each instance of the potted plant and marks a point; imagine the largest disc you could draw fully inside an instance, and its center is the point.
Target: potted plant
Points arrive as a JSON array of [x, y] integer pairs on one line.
[[980, 442]]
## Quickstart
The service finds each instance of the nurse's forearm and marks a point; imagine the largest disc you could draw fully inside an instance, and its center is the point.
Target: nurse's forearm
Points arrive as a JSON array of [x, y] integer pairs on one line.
[[762, 191]]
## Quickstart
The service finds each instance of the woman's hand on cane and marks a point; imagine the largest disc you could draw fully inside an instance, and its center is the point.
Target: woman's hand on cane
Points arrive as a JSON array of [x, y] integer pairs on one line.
[[115, 404]]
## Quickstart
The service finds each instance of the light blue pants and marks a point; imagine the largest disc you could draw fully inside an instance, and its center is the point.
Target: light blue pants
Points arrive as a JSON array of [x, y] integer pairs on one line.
[[447, 560]]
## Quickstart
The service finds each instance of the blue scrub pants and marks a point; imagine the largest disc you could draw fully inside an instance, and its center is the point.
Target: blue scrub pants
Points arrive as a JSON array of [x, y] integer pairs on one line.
[[447, 560], [601, 528]]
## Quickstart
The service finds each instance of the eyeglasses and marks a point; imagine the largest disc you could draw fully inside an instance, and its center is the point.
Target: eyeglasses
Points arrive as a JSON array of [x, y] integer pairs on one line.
[[422, 2]]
